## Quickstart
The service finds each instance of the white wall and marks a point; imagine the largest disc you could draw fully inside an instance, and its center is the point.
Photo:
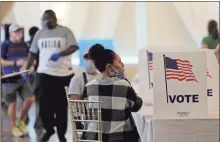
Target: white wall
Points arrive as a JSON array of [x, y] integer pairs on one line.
[[166, 27], [195, 16], [125, 32]]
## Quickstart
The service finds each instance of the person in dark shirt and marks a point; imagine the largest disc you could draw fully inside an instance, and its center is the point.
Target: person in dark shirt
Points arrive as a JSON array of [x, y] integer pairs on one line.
[[13, 57]]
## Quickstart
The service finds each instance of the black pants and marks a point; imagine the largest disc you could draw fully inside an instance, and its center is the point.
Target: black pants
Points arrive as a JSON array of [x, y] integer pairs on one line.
[[53, 102]]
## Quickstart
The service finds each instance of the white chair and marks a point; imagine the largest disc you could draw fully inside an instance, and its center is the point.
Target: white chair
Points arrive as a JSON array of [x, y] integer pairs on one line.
[[87, 113]]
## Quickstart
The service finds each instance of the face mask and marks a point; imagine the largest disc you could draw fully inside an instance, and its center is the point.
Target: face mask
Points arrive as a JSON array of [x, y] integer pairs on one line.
[[50, 24], [89, 66], [43, 25], [116, 73]]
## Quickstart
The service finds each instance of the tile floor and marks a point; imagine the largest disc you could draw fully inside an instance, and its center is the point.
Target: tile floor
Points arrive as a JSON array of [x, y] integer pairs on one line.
[[33, 133]]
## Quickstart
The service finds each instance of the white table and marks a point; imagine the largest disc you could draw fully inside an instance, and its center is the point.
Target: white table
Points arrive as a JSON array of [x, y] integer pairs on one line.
[[204, 130], [143, 121], [152, 130]]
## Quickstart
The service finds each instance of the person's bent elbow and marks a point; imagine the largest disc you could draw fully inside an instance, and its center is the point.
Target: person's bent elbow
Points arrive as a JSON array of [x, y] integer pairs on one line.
[[204, 46], [137, 105], [217, 50]]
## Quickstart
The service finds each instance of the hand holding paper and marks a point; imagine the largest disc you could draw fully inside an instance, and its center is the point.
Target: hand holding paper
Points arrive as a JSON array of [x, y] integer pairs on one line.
[[14, 74]]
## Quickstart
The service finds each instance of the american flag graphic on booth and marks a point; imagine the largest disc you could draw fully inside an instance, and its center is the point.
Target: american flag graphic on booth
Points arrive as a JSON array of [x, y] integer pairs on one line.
[[150, 60], [178, 69], [208, 74]]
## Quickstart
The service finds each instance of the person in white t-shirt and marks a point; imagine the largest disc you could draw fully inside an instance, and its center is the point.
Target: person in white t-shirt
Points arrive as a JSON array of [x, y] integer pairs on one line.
[[78, 83], [55, 45]]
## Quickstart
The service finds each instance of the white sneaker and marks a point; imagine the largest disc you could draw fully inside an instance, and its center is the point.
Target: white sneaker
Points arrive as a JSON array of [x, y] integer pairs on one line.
[[16, 132]]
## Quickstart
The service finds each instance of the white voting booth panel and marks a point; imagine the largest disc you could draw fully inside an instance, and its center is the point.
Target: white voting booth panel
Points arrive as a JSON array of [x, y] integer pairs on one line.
[[180, 85], [145, 89], [143, 82], [212, 82]]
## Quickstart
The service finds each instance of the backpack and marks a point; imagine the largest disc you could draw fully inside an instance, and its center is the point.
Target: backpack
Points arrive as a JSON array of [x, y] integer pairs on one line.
[[85, 78]]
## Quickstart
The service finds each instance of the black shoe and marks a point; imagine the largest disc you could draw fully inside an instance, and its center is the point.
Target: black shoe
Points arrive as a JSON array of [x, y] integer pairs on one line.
[[38, 124], [47, 136], [63, 140]]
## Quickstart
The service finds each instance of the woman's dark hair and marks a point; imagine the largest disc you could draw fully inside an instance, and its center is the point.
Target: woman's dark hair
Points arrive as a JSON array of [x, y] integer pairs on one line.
[[101, 56], [86, 56], [33, 31], [213, 29]]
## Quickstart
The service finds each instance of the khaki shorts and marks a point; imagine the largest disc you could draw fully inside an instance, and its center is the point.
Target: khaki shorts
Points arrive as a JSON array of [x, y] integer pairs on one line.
[[10, 91]]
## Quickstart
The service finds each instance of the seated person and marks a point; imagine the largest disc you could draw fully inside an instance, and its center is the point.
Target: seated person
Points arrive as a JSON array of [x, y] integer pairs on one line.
[[78, 83], [117, 98]]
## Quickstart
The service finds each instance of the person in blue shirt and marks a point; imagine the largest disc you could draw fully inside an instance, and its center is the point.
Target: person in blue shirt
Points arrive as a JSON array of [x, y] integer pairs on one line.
[[13, 57]]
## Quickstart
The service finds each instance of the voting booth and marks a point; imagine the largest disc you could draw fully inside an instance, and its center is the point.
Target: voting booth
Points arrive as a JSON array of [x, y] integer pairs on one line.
[[180, 85], [180, 90], [145, 77], [144, 80]]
